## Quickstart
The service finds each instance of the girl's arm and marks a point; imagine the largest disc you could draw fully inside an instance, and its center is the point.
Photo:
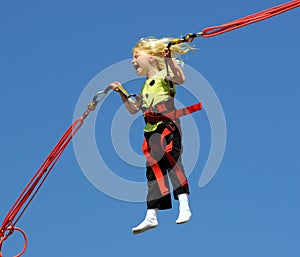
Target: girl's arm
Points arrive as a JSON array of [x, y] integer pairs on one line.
[[132, 106], [177, 76]]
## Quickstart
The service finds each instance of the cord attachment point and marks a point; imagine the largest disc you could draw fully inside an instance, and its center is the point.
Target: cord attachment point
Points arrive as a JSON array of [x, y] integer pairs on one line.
[[10, 230], [188, 38], [98, 97]]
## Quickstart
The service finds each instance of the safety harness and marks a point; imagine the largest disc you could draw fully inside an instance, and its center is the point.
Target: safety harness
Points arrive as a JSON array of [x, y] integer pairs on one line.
[[165, 111]]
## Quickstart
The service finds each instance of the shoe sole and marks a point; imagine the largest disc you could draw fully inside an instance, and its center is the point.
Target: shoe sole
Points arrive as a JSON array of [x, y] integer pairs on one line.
[[184, 221], [139, 231]]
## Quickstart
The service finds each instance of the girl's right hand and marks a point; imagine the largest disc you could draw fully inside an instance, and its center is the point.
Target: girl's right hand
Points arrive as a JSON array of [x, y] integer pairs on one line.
[[115, 86]]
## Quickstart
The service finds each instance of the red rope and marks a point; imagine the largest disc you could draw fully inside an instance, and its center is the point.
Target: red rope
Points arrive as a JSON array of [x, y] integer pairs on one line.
[[217, 30], [34, 185]]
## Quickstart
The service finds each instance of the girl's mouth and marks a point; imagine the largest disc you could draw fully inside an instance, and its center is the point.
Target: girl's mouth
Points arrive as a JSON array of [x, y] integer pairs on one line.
[[137, 68]]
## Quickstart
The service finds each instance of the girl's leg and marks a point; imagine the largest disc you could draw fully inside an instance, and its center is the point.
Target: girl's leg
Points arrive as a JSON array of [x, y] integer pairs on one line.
[[158, 196], [176, 173], [155, 198]]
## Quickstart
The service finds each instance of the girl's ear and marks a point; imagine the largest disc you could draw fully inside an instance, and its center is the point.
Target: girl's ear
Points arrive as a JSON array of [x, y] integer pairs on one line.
[[151, 59]]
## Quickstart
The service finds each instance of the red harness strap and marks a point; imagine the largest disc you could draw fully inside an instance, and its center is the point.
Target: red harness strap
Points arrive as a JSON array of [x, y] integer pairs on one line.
[[176, 167], [152, 116], [156, 169]]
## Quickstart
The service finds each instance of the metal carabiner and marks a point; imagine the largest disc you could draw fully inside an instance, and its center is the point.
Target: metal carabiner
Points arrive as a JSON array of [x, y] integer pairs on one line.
[[96, 99], [187, 38]]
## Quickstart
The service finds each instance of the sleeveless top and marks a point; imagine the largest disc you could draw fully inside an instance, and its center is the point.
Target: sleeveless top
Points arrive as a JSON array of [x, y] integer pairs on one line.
[[154, 91]]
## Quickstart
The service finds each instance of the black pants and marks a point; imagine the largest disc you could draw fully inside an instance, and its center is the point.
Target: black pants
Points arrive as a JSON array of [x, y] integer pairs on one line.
[[163, 149]]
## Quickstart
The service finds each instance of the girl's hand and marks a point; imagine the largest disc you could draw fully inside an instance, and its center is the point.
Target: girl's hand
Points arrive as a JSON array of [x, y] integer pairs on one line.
[[167, 53], [115, 86]]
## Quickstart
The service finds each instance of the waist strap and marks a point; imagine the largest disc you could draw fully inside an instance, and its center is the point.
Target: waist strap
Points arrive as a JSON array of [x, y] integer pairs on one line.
[[152, 117]]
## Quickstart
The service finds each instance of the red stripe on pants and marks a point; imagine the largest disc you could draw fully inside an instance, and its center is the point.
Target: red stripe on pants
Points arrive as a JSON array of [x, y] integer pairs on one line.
[[156, 169], [178, 170]]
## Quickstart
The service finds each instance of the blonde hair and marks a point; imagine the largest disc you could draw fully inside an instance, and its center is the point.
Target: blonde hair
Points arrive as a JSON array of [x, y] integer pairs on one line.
[[155, 47]]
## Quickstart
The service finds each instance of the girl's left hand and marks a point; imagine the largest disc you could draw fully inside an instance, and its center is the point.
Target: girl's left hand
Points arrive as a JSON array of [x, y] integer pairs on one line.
[[166, 53], [115, 86]]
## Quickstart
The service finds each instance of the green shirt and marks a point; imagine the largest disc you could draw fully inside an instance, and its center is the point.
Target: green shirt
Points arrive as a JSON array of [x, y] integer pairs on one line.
[[154, 91]]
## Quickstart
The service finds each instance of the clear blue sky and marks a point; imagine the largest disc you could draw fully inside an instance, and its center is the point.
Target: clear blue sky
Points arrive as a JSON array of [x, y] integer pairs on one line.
[[50, 51]]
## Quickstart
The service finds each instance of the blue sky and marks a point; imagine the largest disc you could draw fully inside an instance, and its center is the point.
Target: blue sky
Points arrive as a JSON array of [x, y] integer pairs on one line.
[[50, 51]]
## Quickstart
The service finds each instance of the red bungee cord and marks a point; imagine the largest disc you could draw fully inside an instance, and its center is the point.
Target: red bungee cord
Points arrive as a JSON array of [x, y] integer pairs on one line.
[[34, 185], [25, 198], [217, 30], [8, 226], [220, 29]]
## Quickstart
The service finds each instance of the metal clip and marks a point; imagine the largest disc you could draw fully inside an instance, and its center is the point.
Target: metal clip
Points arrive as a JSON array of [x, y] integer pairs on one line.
[[98, 97], [189, 37]]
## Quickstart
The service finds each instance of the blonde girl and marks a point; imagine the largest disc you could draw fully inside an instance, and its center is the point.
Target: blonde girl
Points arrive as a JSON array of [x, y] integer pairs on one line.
[[162, 137]]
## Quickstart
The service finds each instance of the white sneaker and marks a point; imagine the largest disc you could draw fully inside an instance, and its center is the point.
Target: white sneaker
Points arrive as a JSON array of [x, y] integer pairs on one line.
[[149, 222], [145, 225], [184, 209], [184, 216]]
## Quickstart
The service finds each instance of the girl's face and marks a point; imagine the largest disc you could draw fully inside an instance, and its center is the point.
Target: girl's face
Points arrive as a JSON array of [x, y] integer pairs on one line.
[[142, 62]]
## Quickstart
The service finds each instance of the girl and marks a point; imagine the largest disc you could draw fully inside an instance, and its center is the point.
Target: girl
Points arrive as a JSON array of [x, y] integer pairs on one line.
[[162, 137]]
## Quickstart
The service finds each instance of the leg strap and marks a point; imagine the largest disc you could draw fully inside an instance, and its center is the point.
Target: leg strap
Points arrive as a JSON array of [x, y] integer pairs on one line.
[[166, 149], [156, 169]]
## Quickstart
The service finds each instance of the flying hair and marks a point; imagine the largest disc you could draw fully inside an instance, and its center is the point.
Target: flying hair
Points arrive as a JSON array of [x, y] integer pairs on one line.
[[155, 47]]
